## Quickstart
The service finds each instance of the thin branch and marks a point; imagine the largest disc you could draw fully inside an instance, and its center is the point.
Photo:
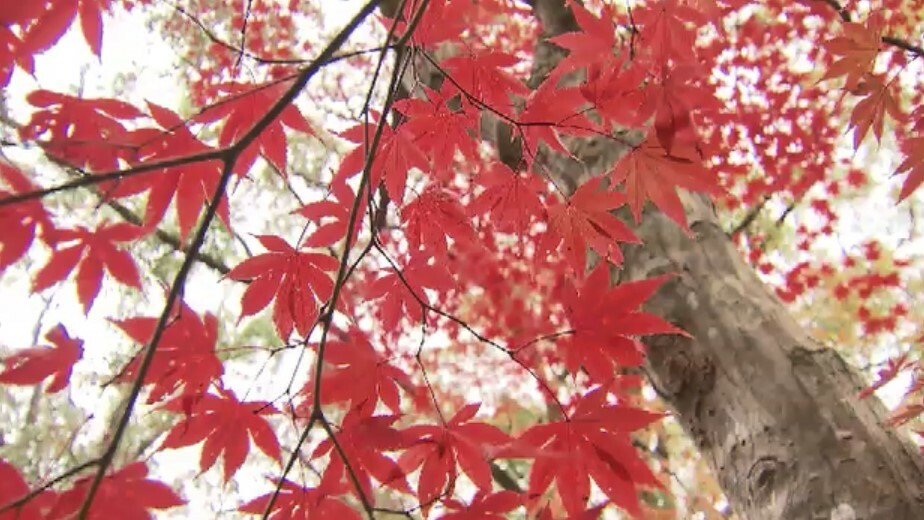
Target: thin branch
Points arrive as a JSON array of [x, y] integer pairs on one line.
[[327, 317], [229, 157], [750, 217], [37, 491], [168, 238], [343, 270]]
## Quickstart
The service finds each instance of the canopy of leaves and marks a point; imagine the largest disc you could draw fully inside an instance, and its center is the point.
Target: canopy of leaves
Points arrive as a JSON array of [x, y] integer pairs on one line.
[[384, 178]]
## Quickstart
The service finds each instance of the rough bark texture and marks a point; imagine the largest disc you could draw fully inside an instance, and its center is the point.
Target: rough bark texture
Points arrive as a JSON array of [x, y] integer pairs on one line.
[[775, 414]]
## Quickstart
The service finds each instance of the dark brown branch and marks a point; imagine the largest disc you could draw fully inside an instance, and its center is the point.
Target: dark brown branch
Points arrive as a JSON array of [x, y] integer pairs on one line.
[[168, 238], [229, 157], [19, 502], [340, 280]]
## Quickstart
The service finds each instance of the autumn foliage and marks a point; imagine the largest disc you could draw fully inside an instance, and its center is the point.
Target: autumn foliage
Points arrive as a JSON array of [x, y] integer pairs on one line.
[[424, 251]]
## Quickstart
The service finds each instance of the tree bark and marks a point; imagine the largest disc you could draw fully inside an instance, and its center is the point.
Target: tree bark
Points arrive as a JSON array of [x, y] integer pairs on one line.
[[775, 415]]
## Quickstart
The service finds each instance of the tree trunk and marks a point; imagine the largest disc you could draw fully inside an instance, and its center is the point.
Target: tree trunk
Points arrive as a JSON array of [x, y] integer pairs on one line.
[[775, 415]]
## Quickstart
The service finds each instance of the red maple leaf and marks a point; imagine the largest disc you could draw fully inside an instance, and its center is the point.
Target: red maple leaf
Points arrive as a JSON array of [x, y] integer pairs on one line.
[[615, 95], [442, 20], [482, 76], [483, 506], [857, 50], [913, 165], [57, 16], [91, 253], [361, 375], [870, 111], [440, 131], [127, 493], [672, 98], [606, 322], [20, 222], [593, 443], [511, 198], [548, 111], [650, 173], [84, 133], [885, 375], [16, 16], [329, 233], [585, 220], [438, 449], [185, 359], [364, 440], [12, 487], [296, 280], [227, 426], [32, 366], [592, 46], [399, 296], [243, 107], [433, 218], [192, 184], [394, 157], [664, 28], [296, 502]]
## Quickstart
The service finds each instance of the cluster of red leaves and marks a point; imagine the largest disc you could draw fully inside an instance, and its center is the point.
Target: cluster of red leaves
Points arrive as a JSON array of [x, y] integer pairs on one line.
[[452, 236], [126, 493]]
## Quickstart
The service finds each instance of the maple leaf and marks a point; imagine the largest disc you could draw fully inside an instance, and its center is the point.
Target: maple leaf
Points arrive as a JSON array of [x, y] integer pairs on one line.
[[856, 50], [329, 233], [227, 426], [606, 322], [442, 20], [16, 15], [126, 493], [583, 221], [597, 36], [481, 76], [364, 440], [185, 358], [885, 375], [32, 366], [12, 487], [361, 375], [434, 217], [615, 95], [92, 253], [511, 198], [295, 502], [663, 27], [871, 110], [549, 110], [651, 173], [483, 506], [913, 165], [395, 155], [440, 131], [84, 133], [593, 444], [57, 16], [672, 99], [439, 448], [242, 108], [20, 222], [192, 184], [296, 280], [399, 296]]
